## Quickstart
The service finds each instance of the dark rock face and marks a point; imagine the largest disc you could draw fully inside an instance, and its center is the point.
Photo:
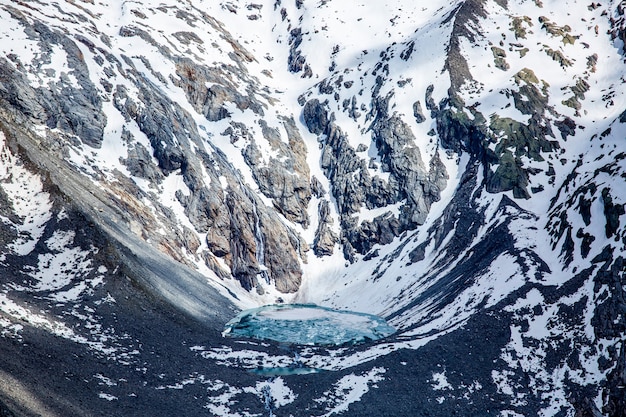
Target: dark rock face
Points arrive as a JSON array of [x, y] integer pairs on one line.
[[570, 228], [154, 122], [459, 133], [80, 105], [354, 188], [5, 411], [315, 116], [612, 212], [71, 103], [381, 230], [608, 323], [325, 237], [402, 159], [285, 177], [297, 61], [210, 101], [467, 13], [418, 113], [138, 161]]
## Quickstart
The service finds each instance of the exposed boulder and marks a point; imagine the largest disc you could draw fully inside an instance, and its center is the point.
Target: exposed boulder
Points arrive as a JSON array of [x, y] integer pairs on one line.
[[315, 116], [418, 113]]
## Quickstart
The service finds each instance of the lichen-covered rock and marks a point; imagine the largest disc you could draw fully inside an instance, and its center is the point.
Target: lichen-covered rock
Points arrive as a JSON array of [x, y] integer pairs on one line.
[[509, 175], [499, 58], [514, 140]]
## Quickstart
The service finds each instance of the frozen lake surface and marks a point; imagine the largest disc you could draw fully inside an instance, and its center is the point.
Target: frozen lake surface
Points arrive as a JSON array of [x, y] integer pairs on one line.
[[307, 324]]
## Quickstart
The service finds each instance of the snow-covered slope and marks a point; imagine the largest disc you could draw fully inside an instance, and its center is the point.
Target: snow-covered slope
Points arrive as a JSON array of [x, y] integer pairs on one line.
[[456, 167]]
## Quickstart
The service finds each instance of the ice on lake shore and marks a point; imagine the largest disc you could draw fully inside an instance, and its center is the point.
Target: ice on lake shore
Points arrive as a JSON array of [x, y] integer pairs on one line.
[[307, 324]]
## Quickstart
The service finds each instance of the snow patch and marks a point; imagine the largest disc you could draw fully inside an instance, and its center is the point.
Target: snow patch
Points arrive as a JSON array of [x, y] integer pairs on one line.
[[350, 389]]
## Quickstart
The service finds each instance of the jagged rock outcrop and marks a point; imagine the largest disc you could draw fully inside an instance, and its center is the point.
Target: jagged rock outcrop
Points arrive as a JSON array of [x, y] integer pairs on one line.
[[355, 189], [618, 23], [325, 237], [70, 104], [285, 177], [402, 159], [209, 90], [237, 224], [418, 112]]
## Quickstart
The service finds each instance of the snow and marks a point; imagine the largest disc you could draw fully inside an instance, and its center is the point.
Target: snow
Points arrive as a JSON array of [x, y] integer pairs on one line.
[[440, 382], [350, 389], [245, 358], [105, 380], [16, 312], [220, 404], [279, 392], [16, 41], [171, 185], [50, 271], [107, 397], [392, 26], [28, 198], [545, 329]]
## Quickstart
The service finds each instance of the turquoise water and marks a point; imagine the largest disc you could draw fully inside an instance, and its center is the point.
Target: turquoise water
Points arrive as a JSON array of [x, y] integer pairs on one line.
[[307, 324]]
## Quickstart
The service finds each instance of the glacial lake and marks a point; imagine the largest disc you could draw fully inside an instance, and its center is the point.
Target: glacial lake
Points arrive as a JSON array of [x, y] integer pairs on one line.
[[307, 324]]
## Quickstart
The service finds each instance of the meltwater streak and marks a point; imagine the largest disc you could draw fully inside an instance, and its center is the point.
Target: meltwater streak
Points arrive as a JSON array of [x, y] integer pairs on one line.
[[307, 324]]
